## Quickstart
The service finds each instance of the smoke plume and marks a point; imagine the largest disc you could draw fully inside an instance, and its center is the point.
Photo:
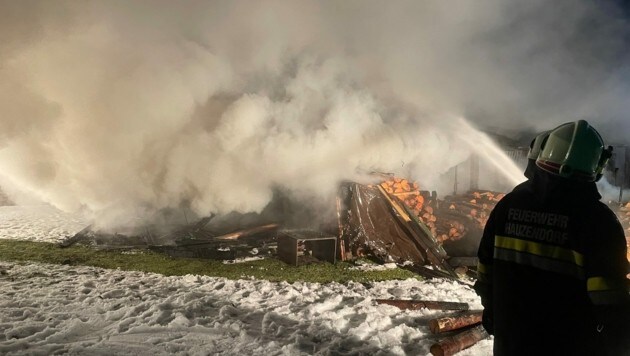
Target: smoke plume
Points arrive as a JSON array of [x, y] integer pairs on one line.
[[123, 108]]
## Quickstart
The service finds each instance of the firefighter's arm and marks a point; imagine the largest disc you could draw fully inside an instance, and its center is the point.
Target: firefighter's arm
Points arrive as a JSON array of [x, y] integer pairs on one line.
[[607, 285], [607, 264], [483, 286]]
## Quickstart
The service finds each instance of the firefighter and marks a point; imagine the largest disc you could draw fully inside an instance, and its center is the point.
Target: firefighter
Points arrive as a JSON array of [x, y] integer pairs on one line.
[[534, 150], [552, 259]]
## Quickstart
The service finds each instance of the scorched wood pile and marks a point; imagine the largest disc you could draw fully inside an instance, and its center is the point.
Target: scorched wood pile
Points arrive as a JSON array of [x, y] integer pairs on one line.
[[397, 221], [393, 220]]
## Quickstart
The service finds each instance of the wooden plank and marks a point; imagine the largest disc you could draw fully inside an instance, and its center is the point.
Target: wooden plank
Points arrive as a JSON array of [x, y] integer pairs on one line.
[[247, 232], [453, 344], [454, 322]]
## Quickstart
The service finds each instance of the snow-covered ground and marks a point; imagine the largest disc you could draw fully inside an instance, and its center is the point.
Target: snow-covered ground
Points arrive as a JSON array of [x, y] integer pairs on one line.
[[56, 309], [38, 223]]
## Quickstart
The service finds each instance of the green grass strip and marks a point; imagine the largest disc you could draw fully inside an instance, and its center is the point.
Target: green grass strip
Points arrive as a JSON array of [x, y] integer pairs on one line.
[[270, 269]]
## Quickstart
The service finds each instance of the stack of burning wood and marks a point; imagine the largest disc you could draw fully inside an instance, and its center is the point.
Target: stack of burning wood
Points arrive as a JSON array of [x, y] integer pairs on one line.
[[449, 219], [421, 203], [470, 211]]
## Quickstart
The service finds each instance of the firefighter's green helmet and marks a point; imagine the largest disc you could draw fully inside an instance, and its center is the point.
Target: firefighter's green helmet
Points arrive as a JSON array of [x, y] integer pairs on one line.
[[536, 145], [574, 150]]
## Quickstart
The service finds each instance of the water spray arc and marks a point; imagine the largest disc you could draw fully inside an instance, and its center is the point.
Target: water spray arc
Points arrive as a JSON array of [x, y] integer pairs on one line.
[[489, 151]]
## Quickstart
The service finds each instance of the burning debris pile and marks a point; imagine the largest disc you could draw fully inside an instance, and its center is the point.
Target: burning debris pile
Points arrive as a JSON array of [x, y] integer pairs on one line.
[[201, 242], [392, 221], [205, 238], [397, 222]]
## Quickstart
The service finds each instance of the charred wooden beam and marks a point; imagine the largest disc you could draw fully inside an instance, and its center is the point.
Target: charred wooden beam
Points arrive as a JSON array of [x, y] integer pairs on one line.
[[423, 304], [247, 232], [233, 236], [454, 322], [453, 344]]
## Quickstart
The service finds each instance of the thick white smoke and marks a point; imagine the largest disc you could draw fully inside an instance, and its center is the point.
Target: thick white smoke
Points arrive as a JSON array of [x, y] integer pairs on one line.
[[122, 108], [612, 194]]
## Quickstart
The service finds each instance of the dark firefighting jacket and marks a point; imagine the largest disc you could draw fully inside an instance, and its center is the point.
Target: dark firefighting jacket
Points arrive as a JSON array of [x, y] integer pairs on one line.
[[552, 267]]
